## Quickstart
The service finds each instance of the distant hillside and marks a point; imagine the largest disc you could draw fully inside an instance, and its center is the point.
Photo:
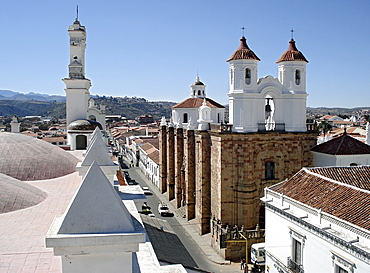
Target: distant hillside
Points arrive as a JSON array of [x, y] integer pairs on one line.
[[127, 107], [11, 95], [34, 104], [321, 111]]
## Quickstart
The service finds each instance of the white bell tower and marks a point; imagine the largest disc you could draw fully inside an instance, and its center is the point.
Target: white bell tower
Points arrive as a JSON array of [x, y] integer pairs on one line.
[[198, 89], [268, 103], [292, 75], [77, 86], [292, 69], [243, 66]]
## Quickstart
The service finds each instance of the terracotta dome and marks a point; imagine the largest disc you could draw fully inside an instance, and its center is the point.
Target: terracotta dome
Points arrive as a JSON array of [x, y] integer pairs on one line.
[[16, 195], [27, 158], [84, 125]]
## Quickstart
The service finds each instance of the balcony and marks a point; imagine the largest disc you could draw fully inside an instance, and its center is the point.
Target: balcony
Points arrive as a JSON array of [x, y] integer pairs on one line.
[[294, 267]]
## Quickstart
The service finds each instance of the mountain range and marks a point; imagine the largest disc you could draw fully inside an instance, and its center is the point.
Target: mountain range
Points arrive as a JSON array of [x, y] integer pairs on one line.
[[31, 96]]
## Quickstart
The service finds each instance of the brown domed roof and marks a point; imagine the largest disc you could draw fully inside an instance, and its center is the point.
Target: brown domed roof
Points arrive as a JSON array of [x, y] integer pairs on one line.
[[243, 52], [27, 158], [292, 54], [84, 125], [16, 194]]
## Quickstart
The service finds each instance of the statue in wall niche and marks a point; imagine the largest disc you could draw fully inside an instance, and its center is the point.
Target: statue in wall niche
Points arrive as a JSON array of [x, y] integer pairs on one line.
[[269, 114]]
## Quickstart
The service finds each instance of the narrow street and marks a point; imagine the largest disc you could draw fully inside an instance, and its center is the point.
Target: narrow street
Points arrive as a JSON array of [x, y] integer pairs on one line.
[[171, 241]]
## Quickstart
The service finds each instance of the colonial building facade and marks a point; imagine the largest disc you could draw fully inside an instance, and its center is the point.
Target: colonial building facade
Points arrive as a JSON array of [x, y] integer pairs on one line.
[[217, 172]]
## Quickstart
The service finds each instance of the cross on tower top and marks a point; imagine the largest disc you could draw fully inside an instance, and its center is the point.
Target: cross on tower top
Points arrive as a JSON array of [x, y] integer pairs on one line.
[[243, 28], [292, 31]]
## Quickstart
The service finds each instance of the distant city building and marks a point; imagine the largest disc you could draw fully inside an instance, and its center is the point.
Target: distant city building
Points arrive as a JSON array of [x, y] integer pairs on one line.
[[145, 119]]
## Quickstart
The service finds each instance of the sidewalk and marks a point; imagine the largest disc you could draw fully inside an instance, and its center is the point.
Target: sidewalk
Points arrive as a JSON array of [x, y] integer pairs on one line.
[[188, 226]]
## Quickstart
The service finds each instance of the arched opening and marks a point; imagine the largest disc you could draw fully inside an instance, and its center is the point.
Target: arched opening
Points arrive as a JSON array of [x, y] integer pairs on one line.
[[247, 76], [269, 170], [185, 118], [269, 113], [218, 118], [81, 142], [297, 77], [92, 117], [353, 164], [199, 93]]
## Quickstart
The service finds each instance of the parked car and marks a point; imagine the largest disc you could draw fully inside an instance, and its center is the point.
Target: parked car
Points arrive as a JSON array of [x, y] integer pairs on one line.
[[163, 209], [132, 182], [146, 191], [127, 175]]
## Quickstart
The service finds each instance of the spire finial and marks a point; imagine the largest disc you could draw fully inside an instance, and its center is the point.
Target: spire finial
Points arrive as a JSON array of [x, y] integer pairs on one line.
[[77, 13], [292, 31], [243, 28]]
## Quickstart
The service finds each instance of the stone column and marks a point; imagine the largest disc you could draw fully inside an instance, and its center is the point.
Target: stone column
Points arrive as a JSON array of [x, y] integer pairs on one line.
[[189, 151], [179, 160], [170, 163], [163, 158]]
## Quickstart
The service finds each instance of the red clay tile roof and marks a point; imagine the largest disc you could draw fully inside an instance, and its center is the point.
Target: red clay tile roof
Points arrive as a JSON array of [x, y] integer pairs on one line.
[[292, 54], [154, 156], [243, 52], [347, 199], [197, 102], [343, 145]]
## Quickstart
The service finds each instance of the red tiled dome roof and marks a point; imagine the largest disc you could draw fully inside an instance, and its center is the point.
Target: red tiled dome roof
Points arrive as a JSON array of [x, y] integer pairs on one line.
[[292, 54], [243, 52]]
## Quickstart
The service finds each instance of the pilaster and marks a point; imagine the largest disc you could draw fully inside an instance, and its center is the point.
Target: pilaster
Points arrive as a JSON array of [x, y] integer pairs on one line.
[[163, 158], [203, 184], [171, 163], [189, 153], [179, 160]]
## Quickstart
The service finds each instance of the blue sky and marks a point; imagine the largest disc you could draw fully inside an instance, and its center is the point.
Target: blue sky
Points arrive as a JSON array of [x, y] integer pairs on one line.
[[154, 49]]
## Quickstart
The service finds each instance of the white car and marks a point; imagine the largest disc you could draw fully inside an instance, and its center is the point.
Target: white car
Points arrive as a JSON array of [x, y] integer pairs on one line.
[[163, 209], [146, 191]]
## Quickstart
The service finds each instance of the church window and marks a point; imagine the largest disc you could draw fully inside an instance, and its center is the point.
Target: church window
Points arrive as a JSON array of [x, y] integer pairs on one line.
[[75, 57], [269, 170], [199, 93], [353, 164], [297, 77], [194, 93], [247, 76], [218, 118], [185, 118]]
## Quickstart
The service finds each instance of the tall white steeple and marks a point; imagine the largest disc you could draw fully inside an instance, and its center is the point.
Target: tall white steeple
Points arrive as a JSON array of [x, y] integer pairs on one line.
[[77, 86]]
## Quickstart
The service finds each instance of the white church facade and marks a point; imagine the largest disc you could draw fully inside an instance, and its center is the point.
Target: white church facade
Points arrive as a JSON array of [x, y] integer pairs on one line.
[[268, 103]]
